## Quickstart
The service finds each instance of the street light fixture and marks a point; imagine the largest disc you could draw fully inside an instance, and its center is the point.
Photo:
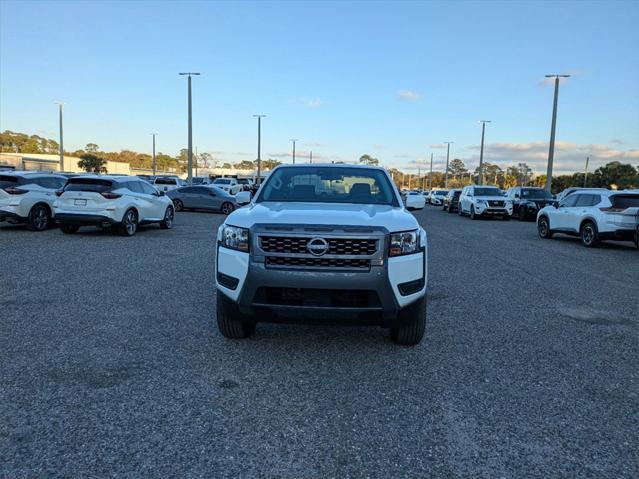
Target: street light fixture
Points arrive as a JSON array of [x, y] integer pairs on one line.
[[154, 163], [481, 151], [190, 150], [447, 143], [60, 105], [259, 147], [294, 140], [551, 148]]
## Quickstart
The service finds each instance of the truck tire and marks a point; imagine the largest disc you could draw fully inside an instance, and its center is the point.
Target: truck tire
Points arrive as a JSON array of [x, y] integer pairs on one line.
[[412, 333], [230, 323]]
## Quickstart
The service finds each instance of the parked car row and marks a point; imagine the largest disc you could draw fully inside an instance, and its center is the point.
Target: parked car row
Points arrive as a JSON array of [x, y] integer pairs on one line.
[[118, 202], [592, 214]]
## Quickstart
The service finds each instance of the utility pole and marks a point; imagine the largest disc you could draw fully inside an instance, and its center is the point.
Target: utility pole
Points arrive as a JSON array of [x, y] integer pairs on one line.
[[190, 150], [586, 172], [295, 140], [430, 176], [447, 143], [196, 158], [259, 148], [553, 125], [60, 104], [311, 158], [480, 180], [154, 162]]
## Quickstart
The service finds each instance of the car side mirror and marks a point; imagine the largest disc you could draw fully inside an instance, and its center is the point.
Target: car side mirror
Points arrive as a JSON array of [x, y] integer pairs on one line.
[[161, 193], [243, 197], [555, 204], [516, 195]]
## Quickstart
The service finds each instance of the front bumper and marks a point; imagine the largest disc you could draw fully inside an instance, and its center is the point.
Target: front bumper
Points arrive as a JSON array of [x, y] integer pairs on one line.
[[384, 295]]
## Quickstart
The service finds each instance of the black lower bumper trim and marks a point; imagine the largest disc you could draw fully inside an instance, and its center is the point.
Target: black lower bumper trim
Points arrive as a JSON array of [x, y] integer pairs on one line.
[[82, 220], [6, 215]]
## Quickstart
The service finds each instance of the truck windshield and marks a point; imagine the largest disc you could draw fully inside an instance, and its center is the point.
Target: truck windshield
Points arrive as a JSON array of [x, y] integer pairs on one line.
[[487, 192], [317, 184]]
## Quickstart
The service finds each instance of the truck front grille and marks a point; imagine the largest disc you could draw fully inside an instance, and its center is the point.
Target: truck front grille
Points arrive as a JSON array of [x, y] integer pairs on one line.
[[297, 245], [310, 263]]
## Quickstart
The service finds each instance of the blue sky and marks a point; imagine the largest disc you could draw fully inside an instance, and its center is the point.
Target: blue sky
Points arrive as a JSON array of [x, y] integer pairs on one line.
[[391, 79]]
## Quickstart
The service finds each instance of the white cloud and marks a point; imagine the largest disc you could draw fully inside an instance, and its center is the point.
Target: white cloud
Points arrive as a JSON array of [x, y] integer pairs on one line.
[[409, 95], [569, 157], [310, 102]]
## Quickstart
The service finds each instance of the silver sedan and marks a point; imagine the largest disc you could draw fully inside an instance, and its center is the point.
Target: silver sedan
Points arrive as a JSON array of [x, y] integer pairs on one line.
[[204, 197]]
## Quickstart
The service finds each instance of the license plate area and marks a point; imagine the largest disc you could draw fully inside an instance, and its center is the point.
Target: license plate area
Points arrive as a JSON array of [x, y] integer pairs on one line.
[[80, 202]]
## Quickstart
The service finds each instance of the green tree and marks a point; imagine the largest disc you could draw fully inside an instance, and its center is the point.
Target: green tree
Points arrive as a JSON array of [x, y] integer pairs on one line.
[[456, 168], [368, 160], [244, 165], [270, 164], [92, 163], [91, 148]]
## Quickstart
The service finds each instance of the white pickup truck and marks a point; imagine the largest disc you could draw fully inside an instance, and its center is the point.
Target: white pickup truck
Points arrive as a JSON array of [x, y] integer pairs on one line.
[[230, 185], [323, 243]]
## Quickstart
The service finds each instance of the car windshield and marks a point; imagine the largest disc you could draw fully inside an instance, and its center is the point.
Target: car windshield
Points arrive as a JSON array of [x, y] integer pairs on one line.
[[243, 181], [441, 193], [222, 182], [487, 192], [197, 181], [536, 193], [165, 181], [317, 184]]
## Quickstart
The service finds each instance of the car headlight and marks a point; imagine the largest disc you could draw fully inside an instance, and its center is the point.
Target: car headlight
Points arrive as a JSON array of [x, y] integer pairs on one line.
[[234, 237], [509, 203], [405, 242], [480, 202]]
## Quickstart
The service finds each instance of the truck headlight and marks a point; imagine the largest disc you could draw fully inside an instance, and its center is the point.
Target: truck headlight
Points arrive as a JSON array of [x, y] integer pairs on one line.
[[234, 237], [404, 242], [480, 202]]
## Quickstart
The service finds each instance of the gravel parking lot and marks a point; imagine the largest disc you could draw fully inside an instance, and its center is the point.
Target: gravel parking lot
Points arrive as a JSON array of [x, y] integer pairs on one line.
[[112, 364]]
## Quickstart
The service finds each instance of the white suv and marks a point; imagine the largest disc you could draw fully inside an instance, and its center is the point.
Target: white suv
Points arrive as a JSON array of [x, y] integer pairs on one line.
[[121, 202], [230, 185], [592, 215], [27, 197], [477, 201], [323, 243]]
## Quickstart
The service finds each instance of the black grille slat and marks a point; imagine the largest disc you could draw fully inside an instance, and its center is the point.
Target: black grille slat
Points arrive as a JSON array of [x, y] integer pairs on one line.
[[297, 262], [496, 203], [336, 246]]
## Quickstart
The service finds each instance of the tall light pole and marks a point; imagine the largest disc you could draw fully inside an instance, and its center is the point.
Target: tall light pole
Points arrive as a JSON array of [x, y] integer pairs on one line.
[[430, 176], [551, 148], [154, 163], [586, 171], [60, 104], [447, 143], [259, 147], [481, 151], [190, 151], [310, 158], [295, 140]]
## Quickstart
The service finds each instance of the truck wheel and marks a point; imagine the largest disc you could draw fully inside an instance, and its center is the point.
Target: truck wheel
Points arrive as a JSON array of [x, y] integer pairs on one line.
[[522, 213], [473, 216], [230, 323], [412, 333], [506, 217]]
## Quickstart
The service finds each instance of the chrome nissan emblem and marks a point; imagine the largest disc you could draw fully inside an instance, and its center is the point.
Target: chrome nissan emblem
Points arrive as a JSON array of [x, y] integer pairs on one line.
[[317, 246]]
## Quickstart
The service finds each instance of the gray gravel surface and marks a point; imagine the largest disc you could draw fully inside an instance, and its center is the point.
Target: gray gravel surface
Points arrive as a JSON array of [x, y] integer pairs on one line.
[[111, 364]]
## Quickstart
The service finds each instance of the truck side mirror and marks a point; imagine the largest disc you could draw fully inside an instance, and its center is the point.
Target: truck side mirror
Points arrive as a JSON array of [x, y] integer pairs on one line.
[[243, 197]]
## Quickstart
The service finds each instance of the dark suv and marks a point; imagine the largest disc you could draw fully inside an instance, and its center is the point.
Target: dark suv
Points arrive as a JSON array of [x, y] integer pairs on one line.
[[451, 201], [528, 201]]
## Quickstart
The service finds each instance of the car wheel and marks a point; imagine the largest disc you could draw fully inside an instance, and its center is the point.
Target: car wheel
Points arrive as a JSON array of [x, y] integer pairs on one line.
[[450, 210], [460, 212], [412, 333], [39, 218], [473, 216], [179, 206], [69, 229], [167, 222], [227, 208], [637, 238], [444, 207], [523, 214], [129, 224], [589, 236], [230, 322], [543, 228]]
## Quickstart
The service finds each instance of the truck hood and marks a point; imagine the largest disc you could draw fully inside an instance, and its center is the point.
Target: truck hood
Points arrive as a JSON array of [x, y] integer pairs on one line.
[[389, 217]]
